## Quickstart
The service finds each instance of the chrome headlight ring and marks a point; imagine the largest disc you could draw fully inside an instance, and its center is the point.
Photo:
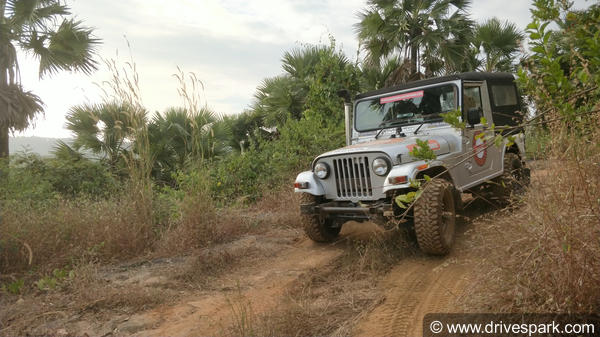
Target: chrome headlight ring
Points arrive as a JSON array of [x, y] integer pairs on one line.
[[321, 170], [381, 166]]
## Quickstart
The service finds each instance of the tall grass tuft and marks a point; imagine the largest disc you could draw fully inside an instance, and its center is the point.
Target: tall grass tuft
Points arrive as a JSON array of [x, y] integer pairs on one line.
[[124, 87]]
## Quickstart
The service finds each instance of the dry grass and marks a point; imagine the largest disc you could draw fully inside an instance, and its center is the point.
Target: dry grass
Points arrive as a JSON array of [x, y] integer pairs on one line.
[[546, 256], [199, 226], [86, 296], [202, 225], [68, 232], [212, 263], [329, 300], [279, 208]]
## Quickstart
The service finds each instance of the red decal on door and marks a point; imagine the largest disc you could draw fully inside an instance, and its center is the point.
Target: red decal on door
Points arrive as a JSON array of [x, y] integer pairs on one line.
[[479, 148], [401, 97]]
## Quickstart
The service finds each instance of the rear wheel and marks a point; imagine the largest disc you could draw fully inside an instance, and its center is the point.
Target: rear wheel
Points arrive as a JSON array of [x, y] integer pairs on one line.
[[513, 180], [316, 227], [435, 217]]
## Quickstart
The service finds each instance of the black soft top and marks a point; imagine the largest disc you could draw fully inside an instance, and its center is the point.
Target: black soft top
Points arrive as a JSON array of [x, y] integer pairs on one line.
[[470, 76]]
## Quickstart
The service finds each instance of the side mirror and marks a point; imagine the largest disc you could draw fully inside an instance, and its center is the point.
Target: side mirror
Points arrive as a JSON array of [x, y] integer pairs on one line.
[[474, 116]]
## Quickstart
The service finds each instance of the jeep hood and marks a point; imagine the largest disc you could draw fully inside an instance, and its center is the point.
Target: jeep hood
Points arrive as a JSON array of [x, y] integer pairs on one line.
[[396, 148]]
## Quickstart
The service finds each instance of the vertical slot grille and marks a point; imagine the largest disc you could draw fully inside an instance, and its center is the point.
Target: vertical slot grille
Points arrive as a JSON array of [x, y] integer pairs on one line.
[[352, 177]]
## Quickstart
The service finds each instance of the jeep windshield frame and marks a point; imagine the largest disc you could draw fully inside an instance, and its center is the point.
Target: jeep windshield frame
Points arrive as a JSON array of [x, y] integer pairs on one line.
[[412, 106]]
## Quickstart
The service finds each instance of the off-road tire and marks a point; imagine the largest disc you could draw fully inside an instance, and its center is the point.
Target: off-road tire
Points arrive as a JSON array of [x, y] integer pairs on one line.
[[316, 227], [513, 180], [435, 217]]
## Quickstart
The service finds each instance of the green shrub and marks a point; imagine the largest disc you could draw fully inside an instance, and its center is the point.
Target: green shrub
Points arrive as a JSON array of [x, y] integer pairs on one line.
[[72, 178], [271, 162], [31, 178], [537, 142], [26, 178]]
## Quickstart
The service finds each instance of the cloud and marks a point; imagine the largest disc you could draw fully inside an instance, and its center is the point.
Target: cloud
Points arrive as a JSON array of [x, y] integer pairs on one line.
[[231, 45]]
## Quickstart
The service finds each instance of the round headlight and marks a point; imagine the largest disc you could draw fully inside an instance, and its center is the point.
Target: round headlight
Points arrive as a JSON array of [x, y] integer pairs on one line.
[[321, 170], [381, 166]]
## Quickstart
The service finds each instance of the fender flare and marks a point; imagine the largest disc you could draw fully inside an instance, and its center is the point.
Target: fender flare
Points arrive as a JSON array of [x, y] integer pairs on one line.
[[314, 185], [410, 170]]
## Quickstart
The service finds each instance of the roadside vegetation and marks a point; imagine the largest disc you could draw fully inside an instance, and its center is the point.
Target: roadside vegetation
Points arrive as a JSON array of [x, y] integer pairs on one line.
[[550, 257], [175, 182]]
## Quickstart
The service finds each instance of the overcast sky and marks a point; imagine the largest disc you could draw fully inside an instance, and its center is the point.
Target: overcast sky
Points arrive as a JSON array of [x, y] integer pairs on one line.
[[230, 45]]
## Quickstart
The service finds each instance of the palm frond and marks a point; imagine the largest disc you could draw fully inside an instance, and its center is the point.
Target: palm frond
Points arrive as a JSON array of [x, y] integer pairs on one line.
[[21, 106], [35, 14], [65, 152], [499, 43], [106, 129], [70, 47]]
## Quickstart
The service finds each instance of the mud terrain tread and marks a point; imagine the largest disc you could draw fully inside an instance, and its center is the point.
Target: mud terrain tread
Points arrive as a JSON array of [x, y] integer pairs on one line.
[[316, 228], [428, 210]]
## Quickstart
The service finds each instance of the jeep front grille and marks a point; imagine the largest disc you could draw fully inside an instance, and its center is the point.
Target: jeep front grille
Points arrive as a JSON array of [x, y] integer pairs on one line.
[[352, 177]]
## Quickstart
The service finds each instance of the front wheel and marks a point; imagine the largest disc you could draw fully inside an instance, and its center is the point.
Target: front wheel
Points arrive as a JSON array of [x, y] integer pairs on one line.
[[316, 227], [435, 217]]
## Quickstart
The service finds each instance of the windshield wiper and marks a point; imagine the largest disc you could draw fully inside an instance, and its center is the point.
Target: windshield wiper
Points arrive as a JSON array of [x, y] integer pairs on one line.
[[388, 124], [419, 128]]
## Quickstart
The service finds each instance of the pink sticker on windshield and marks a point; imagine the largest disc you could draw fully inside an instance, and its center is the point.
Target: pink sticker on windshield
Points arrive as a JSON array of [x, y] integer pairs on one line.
[[401, 97]]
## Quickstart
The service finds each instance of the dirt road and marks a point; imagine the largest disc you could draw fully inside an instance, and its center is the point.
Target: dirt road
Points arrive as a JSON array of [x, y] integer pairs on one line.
[[249, 291], [374, 302], [413, 289], [416, 286]]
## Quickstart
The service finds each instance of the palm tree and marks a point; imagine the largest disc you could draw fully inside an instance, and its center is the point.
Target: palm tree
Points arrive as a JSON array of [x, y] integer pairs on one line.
[[446, 49], [499, 44], [283, 96], [280, 97], [106, 129], [178, 138], [245, 128], [32, 25], [413, 30]]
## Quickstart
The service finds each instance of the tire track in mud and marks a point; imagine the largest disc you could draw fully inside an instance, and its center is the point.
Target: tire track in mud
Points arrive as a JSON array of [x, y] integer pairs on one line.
[[414, 288], [253, 289]]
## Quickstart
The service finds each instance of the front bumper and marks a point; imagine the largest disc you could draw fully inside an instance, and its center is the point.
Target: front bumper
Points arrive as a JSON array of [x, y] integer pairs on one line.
[[349, 210]]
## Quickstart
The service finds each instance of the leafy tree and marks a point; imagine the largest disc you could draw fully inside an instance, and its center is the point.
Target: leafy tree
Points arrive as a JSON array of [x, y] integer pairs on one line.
[[32, 25], [333, 73], [377, 76], [416, 30], [321, 72], [561, 75], [285, 96]]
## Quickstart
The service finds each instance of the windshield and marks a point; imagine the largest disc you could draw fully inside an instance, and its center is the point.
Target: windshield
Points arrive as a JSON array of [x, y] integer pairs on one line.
[[410, 107]]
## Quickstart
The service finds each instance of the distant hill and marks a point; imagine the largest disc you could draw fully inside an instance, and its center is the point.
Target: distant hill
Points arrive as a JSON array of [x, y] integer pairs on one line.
[[40, 145]]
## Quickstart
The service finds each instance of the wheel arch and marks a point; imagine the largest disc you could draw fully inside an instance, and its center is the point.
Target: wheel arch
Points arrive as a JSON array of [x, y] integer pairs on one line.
[[434, 171]]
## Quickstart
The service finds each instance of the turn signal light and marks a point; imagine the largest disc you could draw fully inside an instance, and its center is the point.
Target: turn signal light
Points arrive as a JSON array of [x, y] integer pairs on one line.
[[301, 185], [398, 180]]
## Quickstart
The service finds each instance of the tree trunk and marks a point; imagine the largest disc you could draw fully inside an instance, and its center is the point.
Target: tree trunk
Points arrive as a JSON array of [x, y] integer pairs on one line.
[[3, 83], [3, 141], [414, 52], [3, 115]]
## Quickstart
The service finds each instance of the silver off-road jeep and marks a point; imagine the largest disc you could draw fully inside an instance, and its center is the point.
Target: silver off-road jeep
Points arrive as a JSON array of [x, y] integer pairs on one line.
[[361, 181]]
